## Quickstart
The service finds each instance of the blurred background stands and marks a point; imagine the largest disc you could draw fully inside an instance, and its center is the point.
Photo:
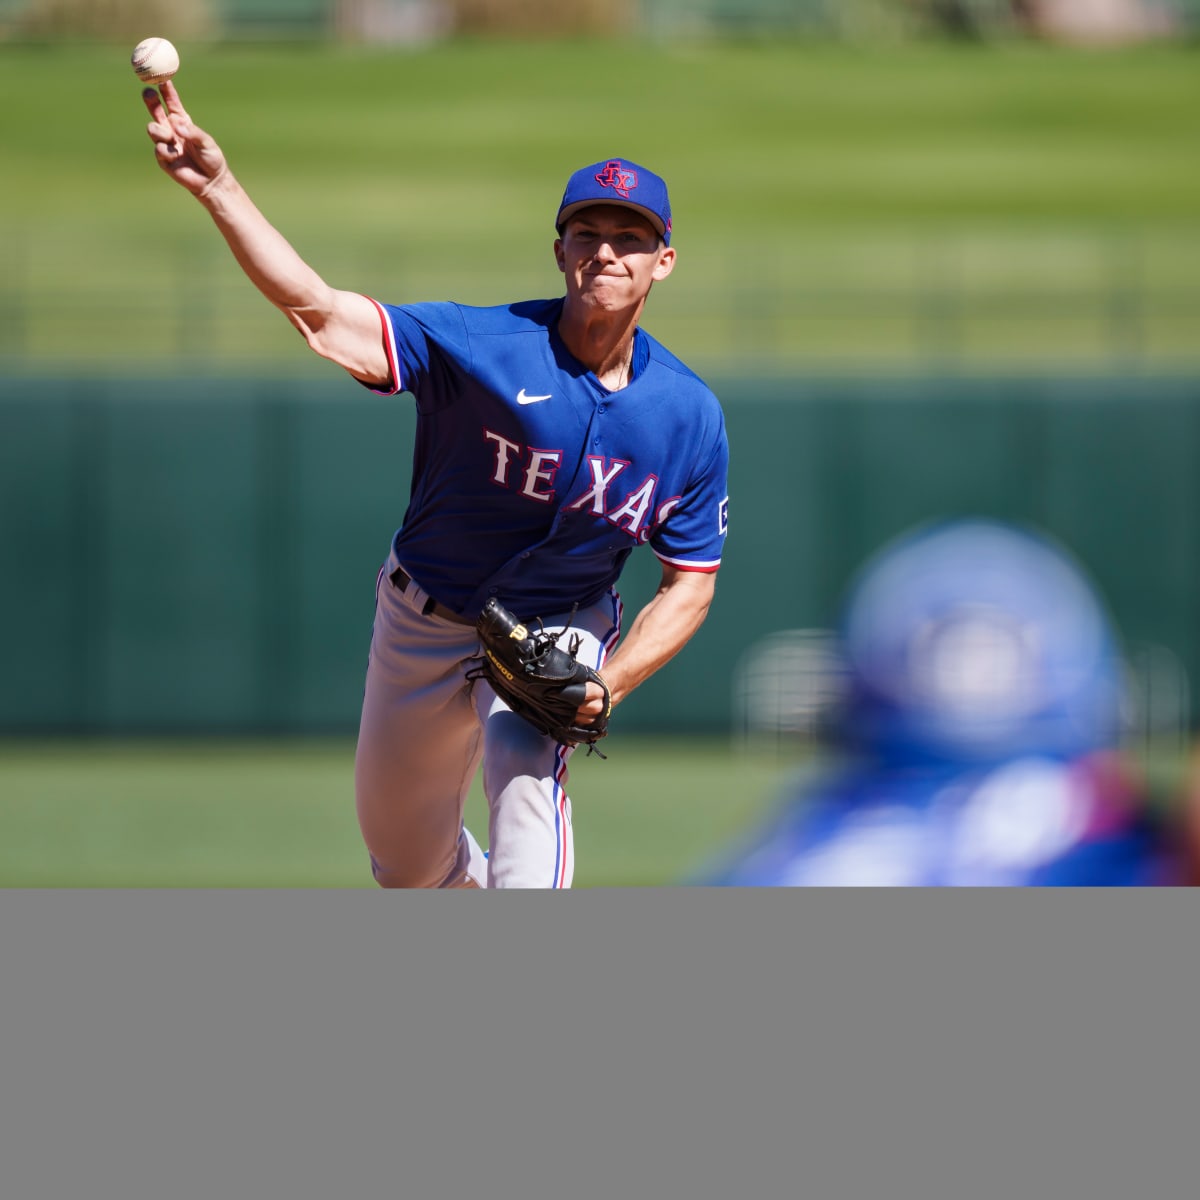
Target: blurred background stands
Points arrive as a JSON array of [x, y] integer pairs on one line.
[[1086, 21], [1116, 297]]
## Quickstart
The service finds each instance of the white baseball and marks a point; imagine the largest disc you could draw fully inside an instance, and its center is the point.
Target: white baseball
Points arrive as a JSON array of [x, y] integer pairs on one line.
[[154, 60]]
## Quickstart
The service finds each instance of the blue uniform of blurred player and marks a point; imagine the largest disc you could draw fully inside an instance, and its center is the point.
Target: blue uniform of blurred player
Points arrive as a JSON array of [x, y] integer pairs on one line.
[[975, 745]]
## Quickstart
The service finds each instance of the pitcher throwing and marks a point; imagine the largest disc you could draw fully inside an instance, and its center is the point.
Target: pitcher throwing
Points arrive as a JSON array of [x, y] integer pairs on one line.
[[553, 437]]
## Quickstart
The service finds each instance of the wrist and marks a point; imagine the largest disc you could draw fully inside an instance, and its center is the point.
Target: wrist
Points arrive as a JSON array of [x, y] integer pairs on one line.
[[219, 190], [613, 680]]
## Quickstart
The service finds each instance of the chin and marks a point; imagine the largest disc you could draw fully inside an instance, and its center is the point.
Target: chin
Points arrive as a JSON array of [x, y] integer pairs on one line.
[[604, 297]]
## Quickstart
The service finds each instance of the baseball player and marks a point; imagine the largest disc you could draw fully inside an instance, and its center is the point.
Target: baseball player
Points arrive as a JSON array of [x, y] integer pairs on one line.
[[977, 743], [553, 437]]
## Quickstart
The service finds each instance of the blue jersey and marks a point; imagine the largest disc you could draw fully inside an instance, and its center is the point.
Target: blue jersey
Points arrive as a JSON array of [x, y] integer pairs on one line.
[[1031, 822], [531, 481]]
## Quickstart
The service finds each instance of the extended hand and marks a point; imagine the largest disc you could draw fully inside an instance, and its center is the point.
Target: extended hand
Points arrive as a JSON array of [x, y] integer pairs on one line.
[[186, 153]]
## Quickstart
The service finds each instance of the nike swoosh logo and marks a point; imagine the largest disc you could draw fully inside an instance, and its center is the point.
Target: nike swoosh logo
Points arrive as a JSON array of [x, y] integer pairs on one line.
[[522, 398]]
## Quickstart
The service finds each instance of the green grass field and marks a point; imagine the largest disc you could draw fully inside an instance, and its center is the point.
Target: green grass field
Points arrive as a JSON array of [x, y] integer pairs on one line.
[[281, 814], [840, 206]]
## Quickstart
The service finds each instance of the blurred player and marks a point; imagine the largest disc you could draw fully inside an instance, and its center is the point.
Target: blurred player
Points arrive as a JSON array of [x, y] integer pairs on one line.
[[976, 744], [553, 438]]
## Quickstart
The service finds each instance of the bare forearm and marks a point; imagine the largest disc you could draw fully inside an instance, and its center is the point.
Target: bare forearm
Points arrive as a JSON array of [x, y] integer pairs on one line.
[[660, 630], [340, 326], [266, 256]]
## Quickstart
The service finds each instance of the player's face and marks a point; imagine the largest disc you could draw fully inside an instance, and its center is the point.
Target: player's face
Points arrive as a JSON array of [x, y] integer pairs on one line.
[[611, 257]]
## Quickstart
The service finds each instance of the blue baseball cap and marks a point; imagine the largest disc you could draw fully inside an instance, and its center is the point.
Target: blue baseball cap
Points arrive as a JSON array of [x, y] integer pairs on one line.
[[618, 181]]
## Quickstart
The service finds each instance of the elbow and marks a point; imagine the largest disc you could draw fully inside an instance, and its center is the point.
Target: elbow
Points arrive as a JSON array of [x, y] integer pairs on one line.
[[318, 334], [311, 308], [344, 328], [309, 324], [313, 340]]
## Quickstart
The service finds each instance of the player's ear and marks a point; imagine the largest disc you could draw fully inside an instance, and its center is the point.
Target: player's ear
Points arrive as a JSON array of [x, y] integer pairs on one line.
[[559, 257], [665, 264]]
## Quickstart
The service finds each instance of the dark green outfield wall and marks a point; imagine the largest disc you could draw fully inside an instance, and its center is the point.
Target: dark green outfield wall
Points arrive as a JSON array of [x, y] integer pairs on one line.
[[201, 555]]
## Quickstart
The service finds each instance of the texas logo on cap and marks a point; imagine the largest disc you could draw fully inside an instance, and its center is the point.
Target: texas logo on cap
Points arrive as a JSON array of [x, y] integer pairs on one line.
[[618, 177]]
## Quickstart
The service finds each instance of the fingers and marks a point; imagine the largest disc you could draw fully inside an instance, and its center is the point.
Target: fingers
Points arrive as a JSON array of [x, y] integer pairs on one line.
[[175, 109], [151, 99], [162, 132], [184, 151], [170, 118], [593, 705]]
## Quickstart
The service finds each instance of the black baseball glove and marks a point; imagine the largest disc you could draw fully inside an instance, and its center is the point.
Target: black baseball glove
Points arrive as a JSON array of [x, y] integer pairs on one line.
[[536, 678]]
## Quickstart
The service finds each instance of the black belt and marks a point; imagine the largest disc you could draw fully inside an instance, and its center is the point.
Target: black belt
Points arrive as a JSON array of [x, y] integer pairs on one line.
[[401, 578]]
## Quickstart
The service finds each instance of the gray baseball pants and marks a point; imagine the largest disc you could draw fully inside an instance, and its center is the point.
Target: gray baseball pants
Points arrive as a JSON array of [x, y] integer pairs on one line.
[[424, 733]]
